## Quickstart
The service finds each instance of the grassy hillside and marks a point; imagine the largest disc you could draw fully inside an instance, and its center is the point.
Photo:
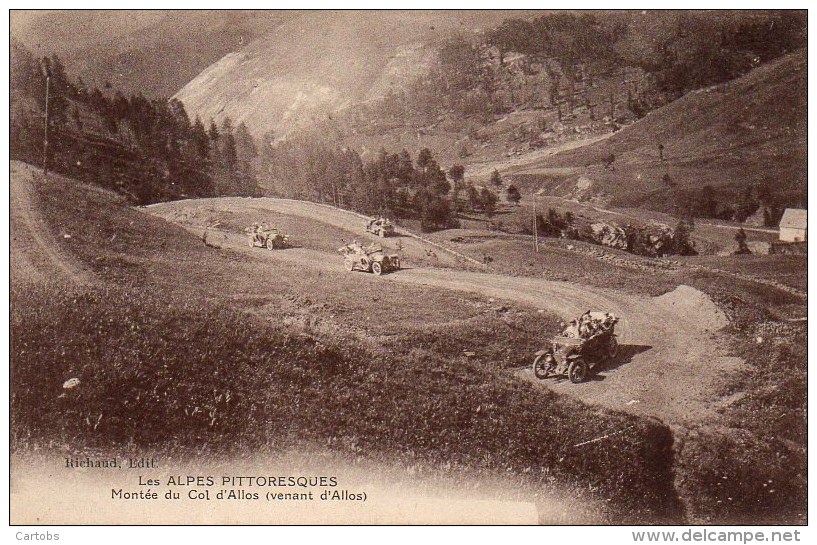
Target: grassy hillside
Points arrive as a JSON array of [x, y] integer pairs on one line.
[[748, 132], [183, 348], [175, 343]]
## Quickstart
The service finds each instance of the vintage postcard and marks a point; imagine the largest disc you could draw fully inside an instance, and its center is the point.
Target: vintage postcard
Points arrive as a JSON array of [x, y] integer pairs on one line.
[[402, 267]]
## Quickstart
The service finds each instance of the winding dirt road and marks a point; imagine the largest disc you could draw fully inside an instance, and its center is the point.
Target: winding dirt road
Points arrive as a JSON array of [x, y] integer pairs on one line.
[[671, 364], [34, 255], [672, 361], [521, 163]]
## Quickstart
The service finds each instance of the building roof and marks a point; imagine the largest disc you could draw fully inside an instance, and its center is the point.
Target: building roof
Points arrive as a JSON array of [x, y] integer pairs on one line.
[[794, 218]]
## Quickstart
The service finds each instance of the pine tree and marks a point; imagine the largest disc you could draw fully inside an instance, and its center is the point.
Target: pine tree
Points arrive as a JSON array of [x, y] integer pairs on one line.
[[424, 158], [229, 151], [212, 132], [245, 145], [217, 168], [201, 140], [60, 89], [457, 174], [473, 197], [488, 199], [743, 247], [405, 167], [512, 194], [682, 238]]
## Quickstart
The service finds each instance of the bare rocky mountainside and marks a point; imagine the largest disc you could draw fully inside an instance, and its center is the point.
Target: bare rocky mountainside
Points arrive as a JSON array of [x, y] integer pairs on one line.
[[320, 63]]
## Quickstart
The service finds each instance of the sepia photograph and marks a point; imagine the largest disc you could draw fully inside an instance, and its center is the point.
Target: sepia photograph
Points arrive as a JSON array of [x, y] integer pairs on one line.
[[410, 268]]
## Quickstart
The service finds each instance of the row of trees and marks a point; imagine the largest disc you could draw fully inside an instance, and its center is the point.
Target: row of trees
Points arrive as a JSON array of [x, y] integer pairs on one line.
[[151, 151], [566, 37], [699, 50], [679, 52], [391, 184], [148, 149], [463, 81], [729, 204], [560, 50]]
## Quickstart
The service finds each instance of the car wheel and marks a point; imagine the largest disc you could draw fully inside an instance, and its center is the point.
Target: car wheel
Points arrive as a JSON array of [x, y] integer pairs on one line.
[[577, 371], [612, 348], [540, 368], [377, 268]]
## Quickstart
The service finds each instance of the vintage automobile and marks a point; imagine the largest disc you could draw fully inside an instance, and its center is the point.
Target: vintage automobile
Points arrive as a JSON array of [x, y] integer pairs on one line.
[[261, 236], [370, 258], [587, 343], [381, 227]]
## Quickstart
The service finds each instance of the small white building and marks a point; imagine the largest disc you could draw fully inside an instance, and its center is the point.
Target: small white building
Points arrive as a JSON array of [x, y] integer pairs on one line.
[[793, 225]]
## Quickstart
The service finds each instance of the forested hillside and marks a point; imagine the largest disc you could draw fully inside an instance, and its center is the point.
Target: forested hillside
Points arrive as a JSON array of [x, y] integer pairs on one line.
[[316, 106], [149, 150]]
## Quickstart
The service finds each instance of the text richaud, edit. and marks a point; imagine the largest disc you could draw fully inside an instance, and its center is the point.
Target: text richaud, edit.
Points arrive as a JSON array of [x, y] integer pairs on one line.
[[111, 463]]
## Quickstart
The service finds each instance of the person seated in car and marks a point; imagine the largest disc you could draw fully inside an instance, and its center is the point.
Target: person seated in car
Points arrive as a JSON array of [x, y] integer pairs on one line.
[[586, 328], [571, 331]]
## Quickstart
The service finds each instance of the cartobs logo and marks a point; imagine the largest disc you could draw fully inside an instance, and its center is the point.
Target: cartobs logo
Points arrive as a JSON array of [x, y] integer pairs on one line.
[[36, 536]]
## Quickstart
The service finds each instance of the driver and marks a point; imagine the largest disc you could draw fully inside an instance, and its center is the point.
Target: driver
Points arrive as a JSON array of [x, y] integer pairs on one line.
[[586, 326], [255, 232], [571, 331]]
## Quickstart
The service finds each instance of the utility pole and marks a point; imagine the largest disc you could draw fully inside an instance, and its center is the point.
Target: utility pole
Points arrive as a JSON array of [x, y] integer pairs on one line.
[[45, 137], [612, 106], [535, 227]]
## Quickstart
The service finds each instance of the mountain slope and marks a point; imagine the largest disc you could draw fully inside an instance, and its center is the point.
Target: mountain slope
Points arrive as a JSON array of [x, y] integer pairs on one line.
[[319, 63], [152, 52], [750, 131]]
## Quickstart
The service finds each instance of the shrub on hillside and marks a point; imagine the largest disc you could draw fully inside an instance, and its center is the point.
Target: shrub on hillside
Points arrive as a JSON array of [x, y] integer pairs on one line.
[[636, 239]]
